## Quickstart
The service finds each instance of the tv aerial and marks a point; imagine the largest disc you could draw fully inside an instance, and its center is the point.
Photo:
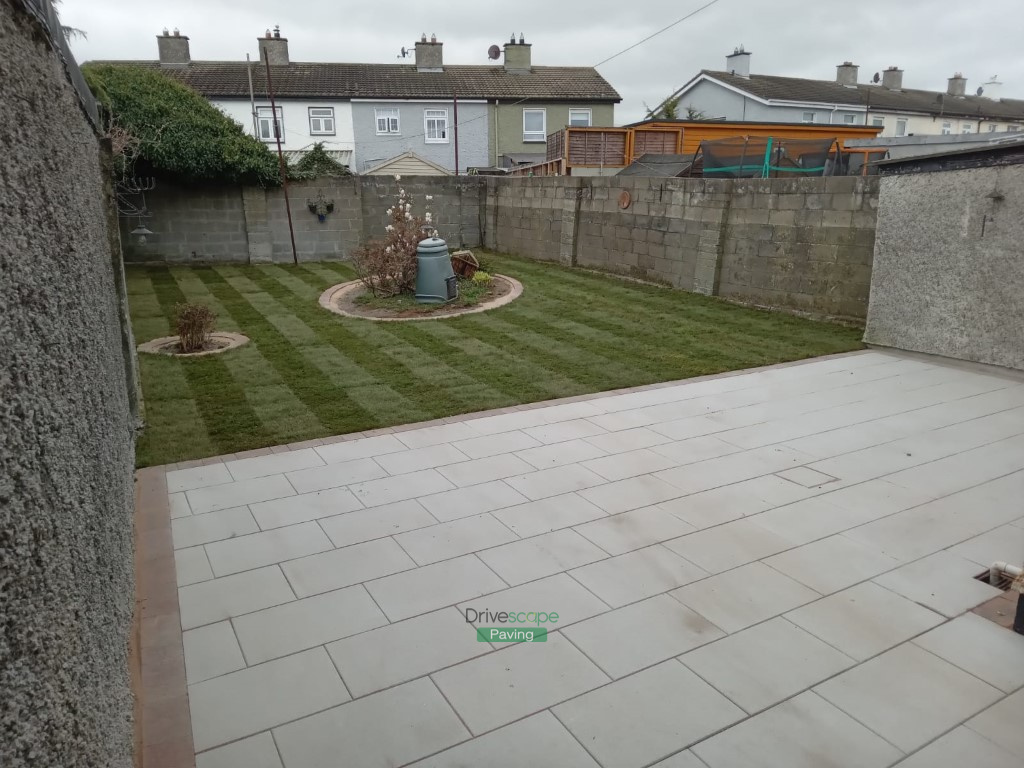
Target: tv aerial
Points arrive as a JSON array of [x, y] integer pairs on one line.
[[494, 53]]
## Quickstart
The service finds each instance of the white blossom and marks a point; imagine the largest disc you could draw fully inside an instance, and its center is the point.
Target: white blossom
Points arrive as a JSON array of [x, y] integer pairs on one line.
[[397, 177], [401, 192], [408, 217], [387, 249], [428, 218], [430, 197], [390, 211], [389, 228]]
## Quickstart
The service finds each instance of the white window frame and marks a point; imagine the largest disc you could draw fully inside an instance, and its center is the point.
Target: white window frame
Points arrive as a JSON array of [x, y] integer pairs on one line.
[[850, 119], [392, 117], [947, 129], [321, 121], [992, 127], [967, 128], [265, 122], [435, 115], [589, 115], [1013, 129], [878, 122], [806, 119], [535, 137], [901, 127]]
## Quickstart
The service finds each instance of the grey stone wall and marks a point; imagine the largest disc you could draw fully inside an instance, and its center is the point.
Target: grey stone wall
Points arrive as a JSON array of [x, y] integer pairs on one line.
[[949, 270], [66, 432]]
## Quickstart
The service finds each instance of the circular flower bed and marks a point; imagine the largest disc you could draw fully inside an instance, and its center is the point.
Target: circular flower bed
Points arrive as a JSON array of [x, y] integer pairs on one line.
[[220, 341], [352, 299]]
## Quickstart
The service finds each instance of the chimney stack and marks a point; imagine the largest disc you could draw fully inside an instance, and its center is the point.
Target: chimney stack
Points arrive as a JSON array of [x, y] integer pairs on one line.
[[991, 88], [846, 73], [173, 49], [892, 79], [274, 48], [738, 62], [428, 55], [957, 85], [518, 59]]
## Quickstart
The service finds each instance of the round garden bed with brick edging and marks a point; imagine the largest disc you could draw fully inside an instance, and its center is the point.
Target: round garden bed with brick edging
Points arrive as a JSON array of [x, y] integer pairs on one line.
[[339, 300], [166, 345]]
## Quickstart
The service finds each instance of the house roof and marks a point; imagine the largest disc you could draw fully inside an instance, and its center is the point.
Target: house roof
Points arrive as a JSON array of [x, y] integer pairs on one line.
[[667, 166], [318, 80], [776, 88], [408, 163]]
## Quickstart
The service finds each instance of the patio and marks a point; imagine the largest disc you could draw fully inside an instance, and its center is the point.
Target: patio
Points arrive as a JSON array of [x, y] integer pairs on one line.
[[769, 567]]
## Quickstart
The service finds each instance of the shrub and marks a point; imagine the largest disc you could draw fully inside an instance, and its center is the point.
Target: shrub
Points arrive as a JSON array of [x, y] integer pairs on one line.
[[482, 277], [195, 324], [387, 267], [316, 163]]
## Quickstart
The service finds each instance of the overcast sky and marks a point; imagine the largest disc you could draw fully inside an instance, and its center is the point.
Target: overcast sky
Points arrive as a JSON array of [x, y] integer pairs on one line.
[[929, 39]]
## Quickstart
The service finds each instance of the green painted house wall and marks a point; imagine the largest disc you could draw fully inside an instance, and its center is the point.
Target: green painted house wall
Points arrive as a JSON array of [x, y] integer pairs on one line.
[[506, 123]]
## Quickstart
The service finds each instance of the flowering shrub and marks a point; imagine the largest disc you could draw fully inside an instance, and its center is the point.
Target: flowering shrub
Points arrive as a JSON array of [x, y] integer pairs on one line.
[[387, 267]]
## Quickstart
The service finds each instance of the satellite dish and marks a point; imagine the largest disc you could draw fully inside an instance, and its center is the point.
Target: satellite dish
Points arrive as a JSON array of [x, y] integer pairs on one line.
[[979, 91], [876, 78], [494, 52]]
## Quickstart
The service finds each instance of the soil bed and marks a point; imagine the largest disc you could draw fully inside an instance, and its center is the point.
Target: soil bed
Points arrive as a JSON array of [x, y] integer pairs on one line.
[[354, 300]]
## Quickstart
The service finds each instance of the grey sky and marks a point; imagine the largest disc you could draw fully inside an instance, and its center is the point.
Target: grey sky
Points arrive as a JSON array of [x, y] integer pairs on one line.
[[929, 39]]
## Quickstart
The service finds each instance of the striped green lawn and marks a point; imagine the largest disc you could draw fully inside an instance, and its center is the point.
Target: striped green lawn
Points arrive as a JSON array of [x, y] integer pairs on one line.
[[309, 373]]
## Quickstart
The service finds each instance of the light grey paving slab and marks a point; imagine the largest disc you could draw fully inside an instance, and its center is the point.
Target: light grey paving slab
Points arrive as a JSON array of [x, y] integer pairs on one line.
[[430, 587], [1000, 724], [554, 482], [629, 464], [966, 469], [257, 751], [458, 537], [363, 448], [335, 475], [556, 594], [762, 665], [639, 635], [864, 620], [530, 677], [832, 564], [814, 518], [256, 550], [540, 556], [408, 649], [472, 500], [879, 495], [238, 494], [691, 426], [538, 740], [1005, 543], [731, 502], [807, 477], [695, 449], [420, 458], [647, 716], [564, 430], [908, 696], [958, 748], [942, 582], [197, 477], [389, 728], [387, 490], [211, 651], [273, 464], [803, 732], [550, 514], [730, 545], [236, 705], [303, 508], [734, 468], [376, 522], [981, 647], [621, 533], [191, 566], [219, 599], [179, 505], [560, 454], [306, 623], [343, 567], [492, 445], [627, 440], [632, 493], [636, 575], [684, 759], [213, 526], [744, 596], [442, 433]]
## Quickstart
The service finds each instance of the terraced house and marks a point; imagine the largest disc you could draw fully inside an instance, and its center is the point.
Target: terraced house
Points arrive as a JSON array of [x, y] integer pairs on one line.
[[424, 118]]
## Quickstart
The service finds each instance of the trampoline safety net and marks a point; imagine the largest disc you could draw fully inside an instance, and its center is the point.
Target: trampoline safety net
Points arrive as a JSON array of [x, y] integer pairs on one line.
[[763, 157]]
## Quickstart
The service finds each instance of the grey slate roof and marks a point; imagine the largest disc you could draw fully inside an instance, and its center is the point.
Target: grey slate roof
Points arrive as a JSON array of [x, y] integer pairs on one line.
[[873, 96], [316, 80]]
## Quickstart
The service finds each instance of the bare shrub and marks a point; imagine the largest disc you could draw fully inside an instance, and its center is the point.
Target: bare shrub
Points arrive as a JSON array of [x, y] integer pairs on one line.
[[387, 267], [195, 324]]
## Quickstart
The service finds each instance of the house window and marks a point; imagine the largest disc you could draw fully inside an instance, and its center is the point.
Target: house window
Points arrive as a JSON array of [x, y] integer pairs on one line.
[[435, 126], [966, 128], [535, 124], [991, 127], [1012, 128], [808, 117], [321, 121], [387, 120], [878, 122], [265, 124], [901, 127], [947, 128], [580, 118], [849, 119]]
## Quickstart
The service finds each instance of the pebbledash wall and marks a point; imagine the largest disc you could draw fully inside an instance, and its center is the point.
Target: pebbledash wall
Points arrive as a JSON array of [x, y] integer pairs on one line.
[[803, 244], [66, 423]]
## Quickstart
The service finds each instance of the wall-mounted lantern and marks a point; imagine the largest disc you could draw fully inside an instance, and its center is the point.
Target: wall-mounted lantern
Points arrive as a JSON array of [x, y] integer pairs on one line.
[[321, 206]]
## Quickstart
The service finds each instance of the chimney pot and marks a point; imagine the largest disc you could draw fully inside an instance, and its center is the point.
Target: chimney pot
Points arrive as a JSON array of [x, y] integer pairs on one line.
[[738, 62], [892, 79], [173, 49], [522, 39]]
